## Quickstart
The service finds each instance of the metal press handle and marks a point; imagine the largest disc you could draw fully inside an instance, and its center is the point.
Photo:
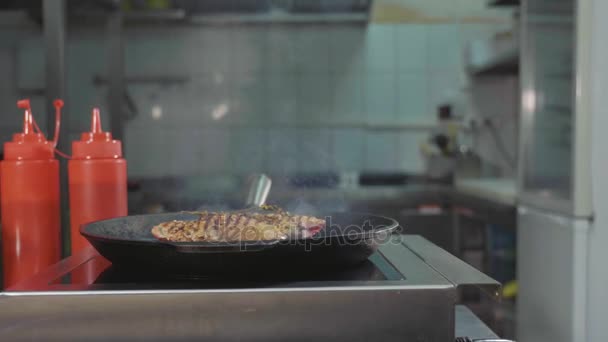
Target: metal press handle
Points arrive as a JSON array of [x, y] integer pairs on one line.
[[258, 190]]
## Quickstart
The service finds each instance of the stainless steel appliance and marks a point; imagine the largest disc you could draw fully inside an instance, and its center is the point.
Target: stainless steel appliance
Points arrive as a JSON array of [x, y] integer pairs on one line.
[[407, 291], [555, 208]]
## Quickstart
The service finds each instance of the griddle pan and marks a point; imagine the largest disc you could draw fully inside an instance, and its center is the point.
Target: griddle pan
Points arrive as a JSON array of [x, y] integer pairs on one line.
[[346, 240]]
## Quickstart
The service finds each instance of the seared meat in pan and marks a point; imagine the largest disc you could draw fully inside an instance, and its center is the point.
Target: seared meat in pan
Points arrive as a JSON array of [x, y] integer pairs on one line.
[[238, 226]]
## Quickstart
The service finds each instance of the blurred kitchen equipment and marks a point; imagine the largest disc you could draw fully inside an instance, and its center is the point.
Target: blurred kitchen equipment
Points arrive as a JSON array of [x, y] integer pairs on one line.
[[440, 150], [445, 153]]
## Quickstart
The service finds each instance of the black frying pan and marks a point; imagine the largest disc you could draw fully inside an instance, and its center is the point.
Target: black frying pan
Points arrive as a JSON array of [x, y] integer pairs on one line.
[[347, 239]]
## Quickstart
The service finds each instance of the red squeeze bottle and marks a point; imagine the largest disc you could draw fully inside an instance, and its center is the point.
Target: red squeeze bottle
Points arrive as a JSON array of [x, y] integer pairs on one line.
[[29, 196], [97, 179]]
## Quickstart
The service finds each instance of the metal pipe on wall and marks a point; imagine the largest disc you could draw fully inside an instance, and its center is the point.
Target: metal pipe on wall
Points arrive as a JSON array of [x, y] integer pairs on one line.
[[116, 74], [54, 24]]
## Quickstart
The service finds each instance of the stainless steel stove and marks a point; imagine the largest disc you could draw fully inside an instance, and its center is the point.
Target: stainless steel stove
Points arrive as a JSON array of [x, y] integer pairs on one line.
[[407, 291]]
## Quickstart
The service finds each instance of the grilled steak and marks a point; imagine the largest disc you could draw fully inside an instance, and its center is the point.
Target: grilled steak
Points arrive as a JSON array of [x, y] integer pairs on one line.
[[221, 227]]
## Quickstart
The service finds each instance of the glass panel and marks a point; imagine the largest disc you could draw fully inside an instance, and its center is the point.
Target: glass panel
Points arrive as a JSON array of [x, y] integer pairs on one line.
[[548, 107]]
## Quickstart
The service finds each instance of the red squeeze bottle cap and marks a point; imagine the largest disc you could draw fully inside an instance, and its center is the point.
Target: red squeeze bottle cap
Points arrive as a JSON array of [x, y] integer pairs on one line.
[[96, 144], [28, 145]]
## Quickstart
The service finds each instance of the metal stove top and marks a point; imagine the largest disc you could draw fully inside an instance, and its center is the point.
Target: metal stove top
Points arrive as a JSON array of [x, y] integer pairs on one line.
[[88, 271], [406, 291], [112, 277]]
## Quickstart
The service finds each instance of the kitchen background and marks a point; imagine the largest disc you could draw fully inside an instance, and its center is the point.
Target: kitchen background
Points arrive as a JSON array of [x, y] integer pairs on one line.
[[279, 97], [208, 102], [329, 97]]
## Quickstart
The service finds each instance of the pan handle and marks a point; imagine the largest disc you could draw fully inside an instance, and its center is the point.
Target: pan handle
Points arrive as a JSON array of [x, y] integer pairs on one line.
[[258, 190], [254, 246]]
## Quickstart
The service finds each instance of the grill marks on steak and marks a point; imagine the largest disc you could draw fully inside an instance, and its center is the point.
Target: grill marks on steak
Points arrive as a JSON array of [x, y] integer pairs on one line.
[[221, 227]]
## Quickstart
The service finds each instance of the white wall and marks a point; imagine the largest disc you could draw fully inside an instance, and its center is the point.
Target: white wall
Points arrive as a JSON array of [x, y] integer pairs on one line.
[[283, 87], [295, 97], [299, 95]]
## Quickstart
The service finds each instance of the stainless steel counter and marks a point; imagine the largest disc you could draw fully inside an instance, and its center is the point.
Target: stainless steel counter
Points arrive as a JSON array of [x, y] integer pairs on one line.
[[415, 301]]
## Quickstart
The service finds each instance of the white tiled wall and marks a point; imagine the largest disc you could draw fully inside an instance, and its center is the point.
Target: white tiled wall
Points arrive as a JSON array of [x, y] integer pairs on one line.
[[413, 97], [280, 98], [294, 80], [411, 43], [381, 151], [348, 145], [249, 149]]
